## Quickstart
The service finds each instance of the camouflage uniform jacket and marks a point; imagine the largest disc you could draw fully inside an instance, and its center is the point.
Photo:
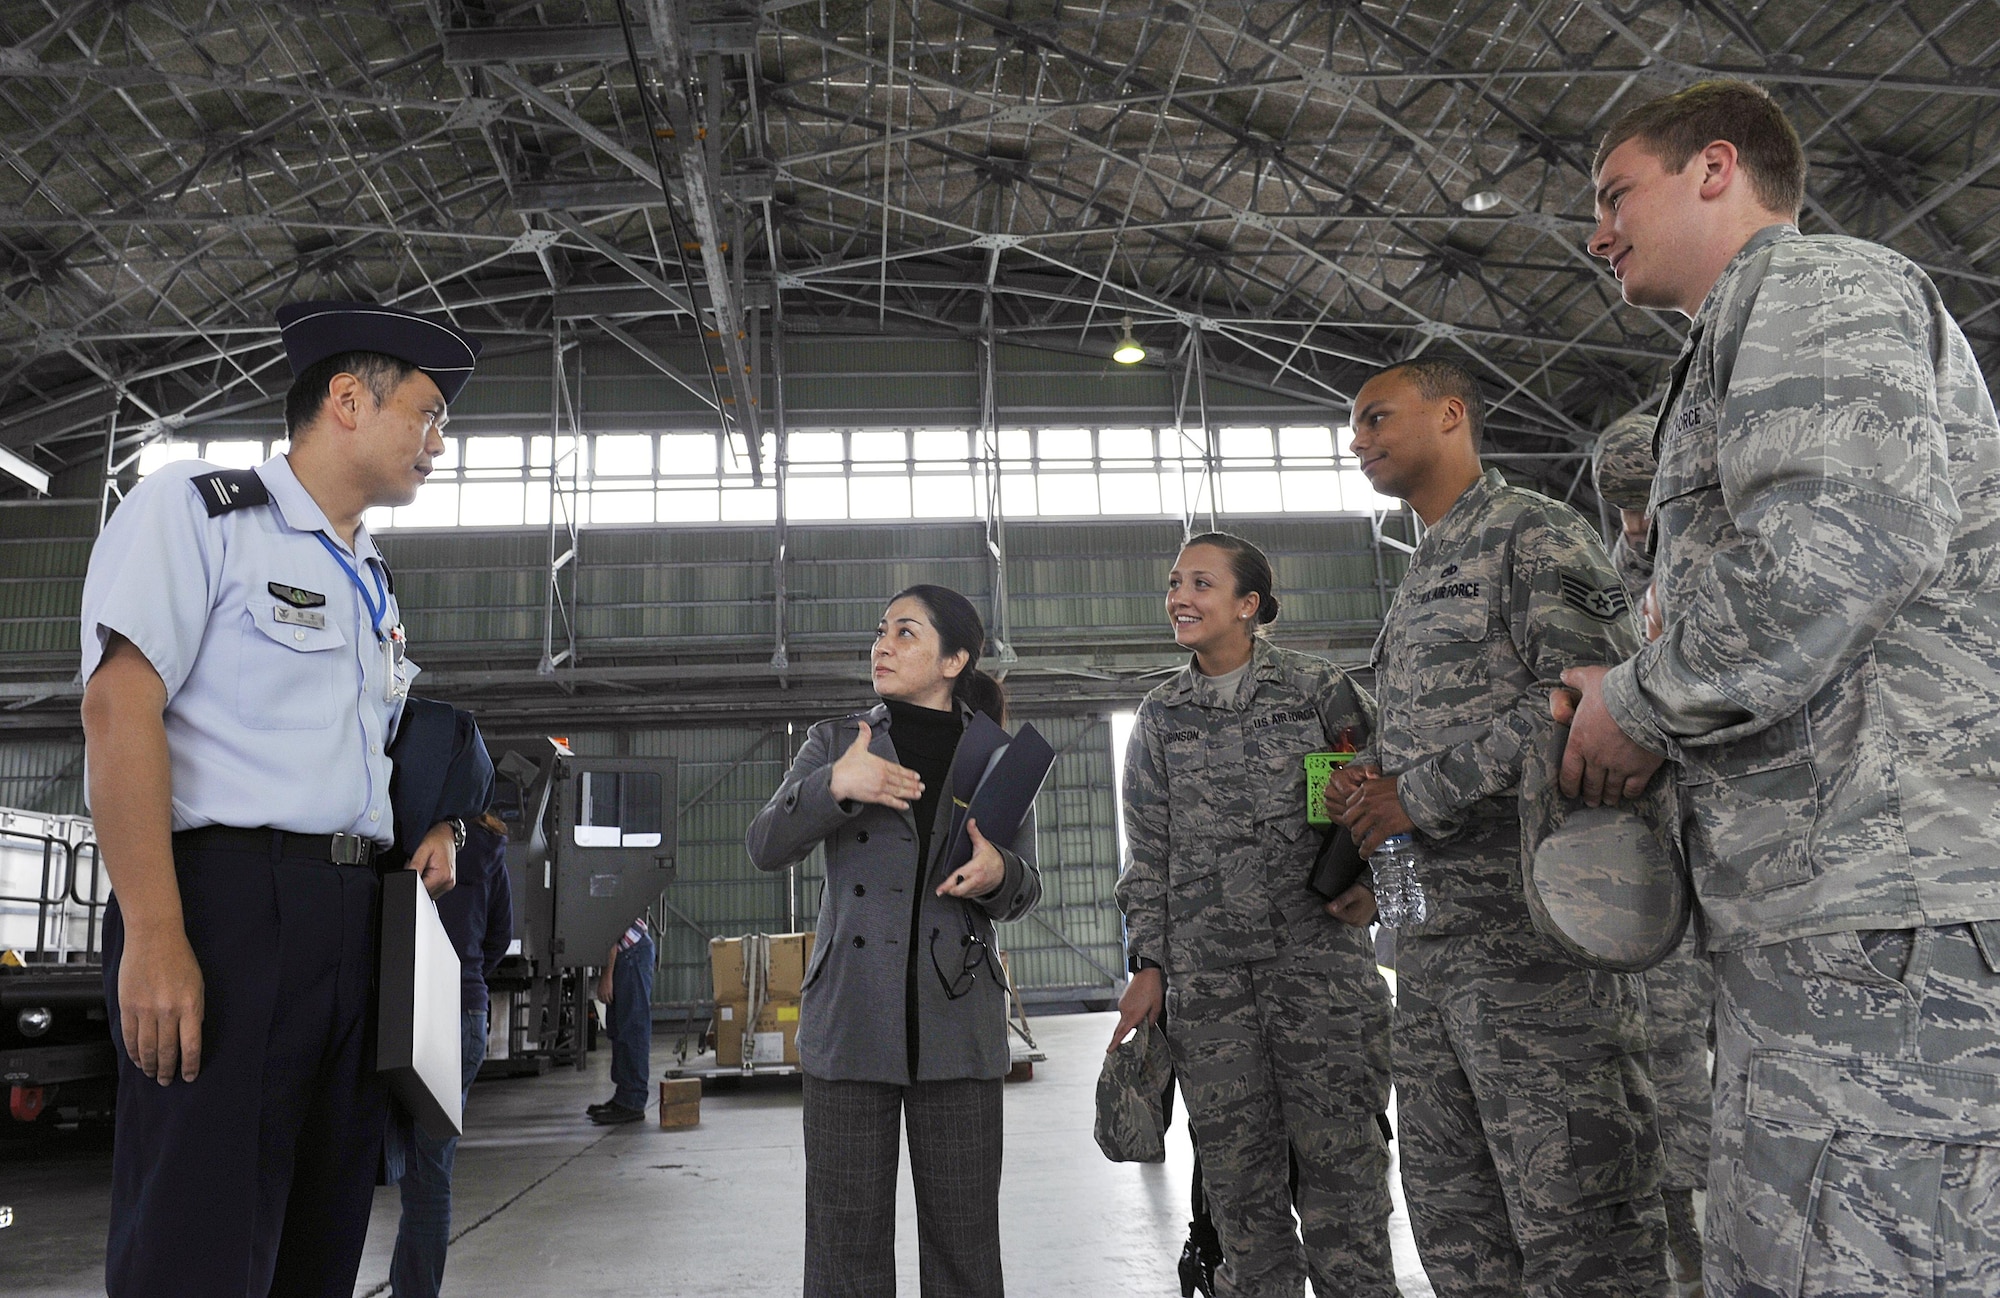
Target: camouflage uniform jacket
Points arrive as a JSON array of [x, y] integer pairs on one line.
[[1634, 569], [1827, 533], [1622, 464], [1215, 811], [1505, 593]]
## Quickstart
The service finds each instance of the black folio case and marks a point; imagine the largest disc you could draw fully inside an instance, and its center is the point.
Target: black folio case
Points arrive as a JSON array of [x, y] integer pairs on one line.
[[997, 791], [1338, 866]]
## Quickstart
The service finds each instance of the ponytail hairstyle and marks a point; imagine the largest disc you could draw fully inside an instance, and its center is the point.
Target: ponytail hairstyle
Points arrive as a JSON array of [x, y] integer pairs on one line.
[[960, 631], [1251, 568]]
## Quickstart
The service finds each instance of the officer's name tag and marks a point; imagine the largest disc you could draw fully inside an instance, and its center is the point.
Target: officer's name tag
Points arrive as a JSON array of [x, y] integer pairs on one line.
[[299, 616]]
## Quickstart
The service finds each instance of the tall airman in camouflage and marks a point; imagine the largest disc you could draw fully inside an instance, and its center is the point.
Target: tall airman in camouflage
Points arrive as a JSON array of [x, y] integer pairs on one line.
[[1531, 1154], [1277, 1017], [1827, 514], [1680, 990]]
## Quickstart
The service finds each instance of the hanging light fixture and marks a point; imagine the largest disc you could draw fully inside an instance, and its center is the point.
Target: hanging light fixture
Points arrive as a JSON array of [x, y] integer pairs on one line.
[[1128, 351], [1481, 200]]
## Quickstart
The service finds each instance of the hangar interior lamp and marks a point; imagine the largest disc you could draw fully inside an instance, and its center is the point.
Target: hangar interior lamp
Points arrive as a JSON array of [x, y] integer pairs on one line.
[[1128, 352]]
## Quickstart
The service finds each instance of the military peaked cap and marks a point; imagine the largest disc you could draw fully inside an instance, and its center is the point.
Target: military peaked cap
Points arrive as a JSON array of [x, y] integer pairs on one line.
[[1622, 462], [314, 331]]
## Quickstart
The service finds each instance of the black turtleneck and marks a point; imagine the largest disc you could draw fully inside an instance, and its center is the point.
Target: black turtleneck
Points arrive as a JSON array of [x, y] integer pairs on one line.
[[925, 741]]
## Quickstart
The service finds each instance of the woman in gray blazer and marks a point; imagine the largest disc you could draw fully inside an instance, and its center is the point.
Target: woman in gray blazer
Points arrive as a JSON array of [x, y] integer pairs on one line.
[[904, 1012]]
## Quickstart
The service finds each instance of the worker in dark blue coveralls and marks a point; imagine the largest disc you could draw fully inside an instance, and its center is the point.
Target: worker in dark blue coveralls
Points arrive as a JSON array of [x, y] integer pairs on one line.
[[478, 917], [244, 673]]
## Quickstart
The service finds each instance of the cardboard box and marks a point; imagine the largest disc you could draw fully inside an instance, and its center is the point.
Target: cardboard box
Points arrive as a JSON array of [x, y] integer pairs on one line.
[[774, 1041], [790, 956], [680, 1103], [725, 961]]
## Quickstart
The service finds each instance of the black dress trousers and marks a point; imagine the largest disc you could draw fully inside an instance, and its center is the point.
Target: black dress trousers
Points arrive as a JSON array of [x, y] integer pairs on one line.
[[257, 1177]]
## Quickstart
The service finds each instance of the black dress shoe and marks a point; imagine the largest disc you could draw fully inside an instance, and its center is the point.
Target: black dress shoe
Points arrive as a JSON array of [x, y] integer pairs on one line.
[[596, 1109], [614, 1114]]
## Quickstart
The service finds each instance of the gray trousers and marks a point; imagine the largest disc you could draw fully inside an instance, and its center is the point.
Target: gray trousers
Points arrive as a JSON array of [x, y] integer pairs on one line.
[[1857, 1117], [852, 1140], [1680, 997], [1531, 1155], [1680, 1000]]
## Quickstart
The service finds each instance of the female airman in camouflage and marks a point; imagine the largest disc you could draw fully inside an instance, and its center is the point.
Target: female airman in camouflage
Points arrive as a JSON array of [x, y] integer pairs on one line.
[[1277, 1018]]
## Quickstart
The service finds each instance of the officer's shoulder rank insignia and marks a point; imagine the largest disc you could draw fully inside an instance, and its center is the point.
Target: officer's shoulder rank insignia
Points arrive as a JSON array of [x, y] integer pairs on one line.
[[230, 489], [294, 596], [1605, 603]]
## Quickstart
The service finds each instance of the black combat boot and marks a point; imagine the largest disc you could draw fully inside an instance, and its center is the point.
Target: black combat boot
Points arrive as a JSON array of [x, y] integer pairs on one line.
[[1199, 1259]]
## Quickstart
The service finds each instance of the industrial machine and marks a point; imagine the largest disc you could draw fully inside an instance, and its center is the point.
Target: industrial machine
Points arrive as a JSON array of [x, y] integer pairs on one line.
[[56, 1055], [591, 843]]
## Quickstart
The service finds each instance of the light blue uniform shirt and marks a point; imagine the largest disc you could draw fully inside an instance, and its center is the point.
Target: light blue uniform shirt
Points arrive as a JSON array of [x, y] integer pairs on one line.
[[279, 712]]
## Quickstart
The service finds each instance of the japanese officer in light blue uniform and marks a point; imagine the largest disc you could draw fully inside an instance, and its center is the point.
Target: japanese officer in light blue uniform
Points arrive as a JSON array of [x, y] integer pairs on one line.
[[244, 669]]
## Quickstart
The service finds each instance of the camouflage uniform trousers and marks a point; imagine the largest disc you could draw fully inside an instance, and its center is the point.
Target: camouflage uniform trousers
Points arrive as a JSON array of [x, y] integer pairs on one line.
[[1857, 1117], [1680, 1001], [1531, 1154], [1293, 1051]]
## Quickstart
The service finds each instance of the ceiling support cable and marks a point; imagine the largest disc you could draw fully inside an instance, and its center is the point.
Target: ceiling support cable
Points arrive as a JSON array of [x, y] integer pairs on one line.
[[781, 454], [693, 186], [557, 603], [1001, 632], [695, 129]]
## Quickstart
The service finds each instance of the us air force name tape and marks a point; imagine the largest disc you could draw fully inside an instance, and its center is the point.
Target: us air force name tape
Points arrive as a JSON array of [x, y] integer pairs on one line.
[[314, 331]]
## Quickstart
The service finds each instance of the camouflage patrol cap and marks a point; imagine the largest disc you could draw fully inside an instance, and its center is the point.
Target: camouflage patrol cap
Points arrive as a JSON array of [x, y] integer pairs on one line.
[[1131, 1124], [1606, 884], [1622, 462]]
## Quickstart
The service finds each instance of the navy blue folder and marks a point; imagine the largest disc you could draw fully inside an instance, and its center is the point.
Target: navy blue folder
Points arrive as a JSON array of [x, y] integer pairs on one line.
[[1002, 788]]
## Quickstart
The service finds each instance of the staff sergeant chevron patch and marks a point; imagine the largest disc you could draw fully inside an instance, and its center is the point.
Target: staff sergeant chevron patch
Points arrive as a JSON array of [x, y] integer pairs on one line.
[[1605, 603]]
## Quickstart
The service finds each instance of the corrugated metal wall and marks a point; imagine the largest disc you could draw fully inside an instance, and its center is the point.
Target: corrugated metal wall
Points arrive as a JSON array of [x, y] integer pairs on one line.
[[42, 775], [839, 382], [1069, 949], [710, 588], [477, 597]]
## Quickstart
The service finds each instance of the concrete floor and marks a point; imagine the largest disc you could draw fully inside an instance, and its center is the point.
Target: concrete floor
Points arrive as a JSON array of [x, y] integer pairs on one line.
[[546, 1203]]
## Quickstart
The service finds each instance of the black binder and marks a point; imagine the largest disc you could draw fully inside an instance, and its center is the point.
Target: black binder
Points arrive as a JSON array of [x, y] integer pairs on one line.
[[1002, 788], [1338, 865]]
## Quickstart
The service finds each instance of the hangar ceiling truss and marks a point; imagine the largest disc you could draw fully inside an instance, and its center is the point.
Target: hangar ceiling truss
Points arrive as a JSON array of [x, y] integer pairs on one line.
[[1315, 187]]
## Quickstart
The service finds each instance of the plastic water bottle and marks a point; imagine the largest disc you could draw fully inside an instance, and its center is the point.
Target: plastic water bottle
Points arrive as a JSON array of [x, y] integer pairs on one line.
[[1399, 894]]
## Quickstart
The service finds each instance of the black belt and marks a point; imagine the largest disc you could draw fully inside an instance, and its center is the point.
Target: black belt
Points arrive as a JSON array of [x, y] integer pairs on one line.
[[340, 849]]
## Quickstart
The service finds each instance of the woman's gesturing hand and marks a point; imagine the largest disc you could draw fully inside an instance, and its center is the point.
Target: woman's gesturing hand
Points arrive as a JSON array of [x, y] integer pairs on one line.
[[861, 776], [979, 876]]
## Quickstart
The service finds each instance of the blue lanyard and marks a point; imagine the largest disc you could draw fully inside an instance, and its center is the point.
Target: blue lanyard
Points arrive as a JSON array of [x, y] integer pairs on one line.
[[378, 607]]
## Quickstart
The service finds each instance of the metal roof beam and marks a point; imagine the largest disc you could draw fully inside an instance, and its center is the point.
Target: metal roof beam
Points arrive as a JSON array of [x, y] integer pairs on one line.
[[601, 195], [658, 362], [587, 43], [698, 140]]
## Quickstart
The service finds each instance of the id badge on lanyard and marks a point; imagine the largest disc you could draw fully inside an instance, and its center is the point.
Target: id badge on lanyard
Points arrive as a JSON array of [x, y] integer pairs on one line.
[[395, 670], [393, 644]]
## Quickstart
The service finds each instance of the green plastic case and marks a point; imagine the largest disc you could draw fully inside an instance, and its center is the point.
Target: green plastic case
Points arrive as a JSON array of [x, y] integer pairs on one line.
[[1319, 766]]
